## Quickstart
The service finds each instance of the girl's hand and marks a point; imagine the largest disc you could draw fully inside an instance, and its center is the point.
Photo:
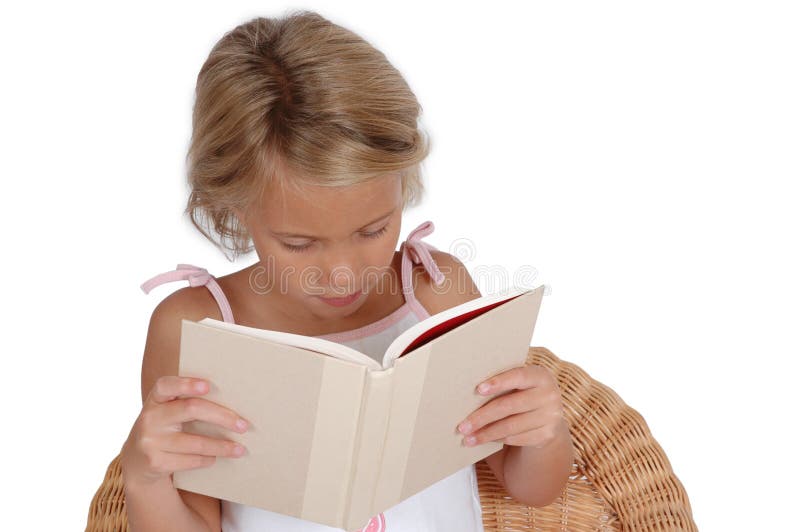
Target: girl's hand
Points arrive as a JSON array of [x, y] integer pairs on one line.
[[532, 415], [156, 445]]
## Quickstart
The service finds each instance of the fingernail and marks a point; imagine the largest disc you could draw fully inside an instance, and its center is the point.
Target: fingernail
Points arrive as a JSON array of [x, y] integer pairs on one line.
[[469, 441], [465, 427], [238, 450], [199, 386], [483, 388], [241, 424]]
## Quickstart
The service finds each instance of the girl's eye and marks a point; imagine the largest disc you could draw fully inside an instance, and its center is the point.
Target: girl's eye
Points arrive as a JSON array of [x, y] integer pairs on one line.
[[375, 234], [296, 249]]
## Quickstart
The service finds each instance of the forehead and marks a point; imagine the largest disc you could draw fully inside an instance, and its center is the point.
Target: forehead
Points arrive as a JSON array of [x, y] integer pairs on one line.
[[323, 210]]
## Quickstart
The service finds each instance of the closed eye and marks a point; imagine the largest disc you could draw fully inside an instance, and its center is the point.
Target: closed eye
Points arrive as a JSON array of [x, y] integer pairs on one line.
[[375, 234], [297, 249]]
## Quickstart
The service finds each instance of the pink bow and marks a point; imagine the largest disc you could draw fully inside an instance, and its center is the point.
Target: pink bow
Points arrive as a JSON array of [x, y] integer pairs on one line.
[[194, 274], [420, 252], [197, 277]]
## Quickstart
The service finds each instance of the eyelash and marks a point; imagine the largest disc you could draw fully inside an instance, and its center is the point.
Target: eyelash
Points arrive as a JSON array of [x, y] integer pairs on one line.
[[298, 249]]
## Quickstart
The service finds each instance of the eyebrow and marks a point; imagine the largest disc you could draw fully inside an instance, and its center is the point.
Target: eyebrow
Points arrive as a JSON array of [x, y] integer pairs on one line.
[[297, 235]]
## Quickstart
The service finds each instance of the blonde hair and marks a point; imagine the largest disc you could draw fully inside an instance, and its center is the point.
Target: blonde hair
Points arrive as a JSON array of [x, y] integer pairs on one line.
[[295, 99]]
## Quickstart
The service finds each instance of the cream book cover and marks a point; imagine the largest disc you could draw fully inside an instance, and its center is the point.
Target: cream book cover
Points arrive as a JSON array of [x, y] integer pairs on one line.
[[336, 437]]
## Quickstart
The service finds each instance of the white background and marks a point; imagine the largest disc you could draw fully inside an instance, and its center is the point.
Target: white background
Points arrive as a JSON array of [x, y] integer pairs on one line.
[[642, 157]]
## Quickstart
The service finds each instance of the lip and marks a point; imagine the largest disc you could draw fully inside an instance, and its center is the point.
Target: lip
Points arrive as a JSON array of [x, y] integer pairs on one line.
[[341, 301]]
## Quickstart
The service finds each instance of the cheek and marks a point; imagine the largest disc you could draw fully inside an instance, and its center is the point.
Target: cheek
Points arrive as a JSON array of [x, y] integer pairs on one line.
[[284, 267], [299, 270], [381, 253], [393, 239], [382, 256]]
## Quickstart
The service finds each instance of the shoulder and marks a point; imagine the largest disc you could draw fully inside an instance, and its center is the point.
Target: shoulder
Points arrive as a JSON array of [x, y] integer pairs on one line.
[[185, 302], [458, 286], [190, 302], [164, 331]]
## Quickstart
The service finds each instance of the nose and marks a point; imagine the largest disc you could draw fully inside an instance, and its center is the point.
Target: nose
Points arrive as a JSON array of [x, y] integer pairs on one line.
[[341, 272]]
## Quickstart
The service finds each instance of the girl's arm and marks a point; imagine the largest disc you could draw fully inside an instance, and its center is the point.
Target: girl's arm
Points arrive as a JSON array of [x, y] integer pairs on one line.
[[159, 506], [533, 476]]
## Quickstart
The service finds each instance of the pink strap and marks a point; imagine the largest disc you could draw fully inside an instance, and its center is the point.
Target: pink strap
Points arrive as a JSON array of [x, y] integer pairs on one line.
[[415, 251], [197, 277]]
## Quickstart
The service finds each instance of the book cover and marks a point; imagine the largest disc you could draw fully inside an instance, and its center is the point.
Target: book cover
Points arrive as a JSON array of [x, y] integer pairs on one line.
[[335, 437]]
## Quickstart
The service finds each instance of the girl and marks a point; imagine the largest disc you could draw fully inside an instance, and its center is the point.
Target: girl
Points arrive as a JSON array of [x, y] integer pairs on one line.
[[305, 143]]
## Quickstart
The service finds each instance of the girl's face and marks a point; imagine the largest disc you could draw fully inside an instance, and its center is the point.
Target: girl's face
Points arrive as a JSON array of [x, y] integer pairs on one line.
[[325, 242]]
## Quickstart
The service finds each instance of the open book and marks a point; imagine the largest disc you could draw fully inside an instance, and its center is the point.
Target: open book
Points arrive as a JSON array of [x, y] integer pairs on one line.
[[335, 437]]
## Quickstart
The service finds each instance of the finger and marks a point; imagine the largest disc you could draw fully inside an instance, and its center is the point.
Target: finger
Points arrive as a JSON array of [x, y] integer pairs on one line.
[[166, 463], [169, 387], [200, 409], [185, 443], [509, 427], [497, 409], [530, 438], [514, 379], [538, 437]]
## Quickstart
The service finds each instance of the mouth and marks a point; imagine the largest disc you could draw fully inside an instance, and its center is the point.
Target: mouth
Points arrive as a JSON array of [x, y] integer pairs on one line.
[[341, 301]]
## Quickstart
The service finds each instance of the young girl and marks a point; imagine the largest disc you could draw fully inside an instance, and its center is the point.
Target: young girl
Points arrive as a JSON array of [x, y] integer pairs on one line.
[[305, 142]]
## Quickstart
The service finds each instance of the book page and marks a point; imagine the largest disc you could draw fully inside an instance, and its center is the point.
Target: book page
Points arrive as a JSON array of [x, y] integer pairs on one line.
[[318, 345], [444, 321]]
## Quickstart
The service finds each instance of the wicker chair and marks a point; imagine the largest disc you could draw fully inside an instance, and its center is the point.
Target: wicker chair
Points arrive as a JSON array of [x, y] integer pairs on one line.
[[621, 478]]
